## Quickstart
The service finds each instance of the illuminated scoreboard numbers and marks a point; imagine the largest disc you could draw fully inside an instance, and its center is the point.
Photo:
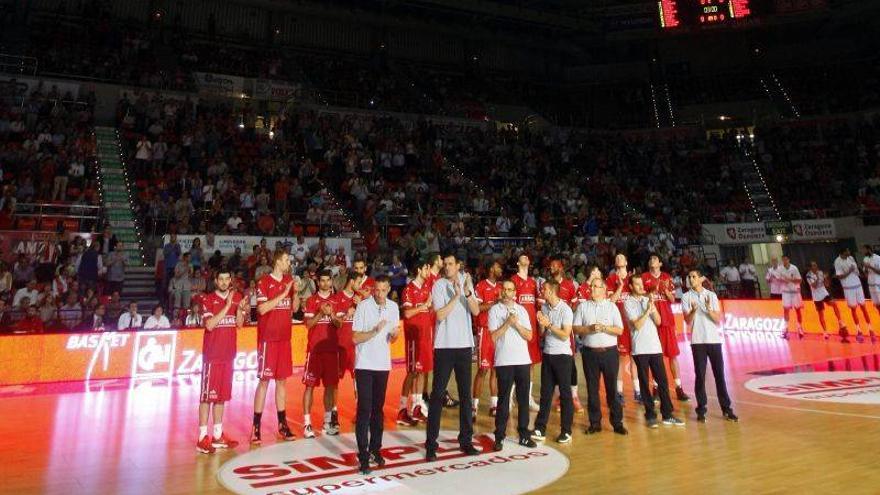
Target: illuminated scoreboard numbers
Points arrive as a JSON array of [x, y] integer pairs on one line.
[[668, 13], [714, 11], [740, 8], [686, 13]]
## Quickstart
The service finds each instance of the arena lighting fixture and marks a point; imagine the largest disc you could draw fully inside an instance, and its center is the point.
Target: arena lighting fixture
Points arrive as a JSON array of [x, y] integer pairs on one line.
[[723, 117], [779, 238]]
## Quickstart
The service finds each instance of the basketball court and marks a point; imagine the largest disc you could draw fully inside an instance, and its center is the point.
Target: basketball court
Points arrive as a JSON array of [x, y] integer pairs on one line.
[[809, 423]]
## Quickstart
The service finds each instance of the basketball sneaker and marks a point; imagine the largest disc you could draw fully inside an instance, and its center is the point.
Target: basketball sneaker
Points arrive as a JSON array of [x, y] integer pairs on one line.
[[255, 435], [308, 432], [205, 445], [418, 413], [330, 429], [284, 433], [404, 419]]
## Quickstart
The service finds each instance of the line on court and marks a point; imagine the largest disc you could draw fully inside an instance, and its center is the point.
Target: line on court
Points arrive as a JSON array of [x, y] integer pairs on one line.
[[804, 409]]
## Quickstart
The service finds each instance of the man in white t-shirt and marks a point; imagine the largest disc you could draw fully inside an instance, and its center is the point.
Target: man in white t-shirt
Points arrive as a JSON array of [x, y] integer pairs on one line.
[[375, 327], [598, 323], [643, 318], [790, 277], [702, 313], [817, 281], [871, 264], [847, 271], [511, 331], [748, 276], [131, 320], [730, 276], [773, 281]]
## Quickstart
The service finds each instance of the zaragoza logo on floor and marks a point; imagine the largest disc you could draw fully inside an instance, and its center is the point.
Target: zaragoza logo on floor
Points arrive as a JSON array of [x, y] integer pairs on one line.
[[850, 387], [328, 465]]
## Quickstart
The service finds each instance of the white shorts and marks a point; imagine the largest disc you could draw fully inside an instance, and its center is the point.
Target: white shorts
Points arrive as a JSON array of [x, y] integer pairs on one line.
[[792, 300], [854, 297], [875, 294]]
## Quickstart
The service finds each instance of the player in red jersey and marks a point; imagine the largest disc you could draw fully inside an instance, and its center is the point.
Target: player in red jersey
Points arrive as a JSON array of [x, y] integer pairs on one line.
[[618, 290], [365, 284], [568, 294], [223, 312], [488, 293], [659, 287], [418, 331], [584, 293], [345, 303], [526, 296], [434, 275], [277, 299], [322, 357]]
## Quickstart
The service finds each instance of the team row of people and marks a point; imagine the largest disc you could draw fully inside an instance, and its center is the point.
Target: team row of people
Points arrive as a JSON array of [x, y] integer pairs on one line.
[[618, 323]]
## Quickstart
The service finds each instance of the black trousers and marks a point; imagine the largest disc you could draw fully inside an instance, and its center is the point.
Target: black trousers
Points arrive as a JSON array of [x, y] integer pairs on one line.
[[711, 353], [556, 372], [507, 377], [602, 364], [447, 361], [371, 386], [653, 364]]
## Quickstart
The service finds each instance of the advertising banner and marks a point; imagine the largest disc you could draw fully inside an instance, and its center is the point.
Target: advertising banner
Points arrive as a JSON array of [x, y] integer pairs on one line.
[[40, 246], [219, 84], [227, 243], [756, 232], [143, 354]]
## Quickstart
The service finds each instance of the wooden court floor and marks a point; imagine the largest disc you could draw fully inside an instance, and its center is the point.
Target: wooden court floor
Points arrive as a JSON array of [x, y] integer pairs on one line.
[[119, 437]]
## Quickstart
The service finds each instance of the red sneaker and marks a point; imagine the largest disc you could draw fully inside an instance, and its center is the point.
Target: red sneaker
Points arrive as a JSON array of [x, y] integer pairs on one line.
[[224, 442], [418, 415], [404, 419], [205, 445]]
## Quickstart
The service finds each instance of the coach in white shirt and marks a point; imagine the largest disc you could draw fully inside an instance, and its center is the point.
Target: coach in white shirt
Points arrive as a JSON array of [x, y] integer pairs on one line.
[[454, 304], [702, 312], [847, 271], [511, 332], [375, 326], [598, 323], [643, 318], [130, 320], [554, 323], [748, 278]]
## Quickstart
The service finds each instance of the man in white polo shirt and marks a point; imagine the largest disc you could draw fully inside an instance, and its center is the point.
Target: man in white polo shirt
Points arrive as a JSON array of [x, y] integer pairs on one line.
[[847, 271], [748, 278], [554, 324], [511, 331], [702, 312], [730, 276], [643, 318], [871, 264], [598, 323], [375, 326], [454, 303]]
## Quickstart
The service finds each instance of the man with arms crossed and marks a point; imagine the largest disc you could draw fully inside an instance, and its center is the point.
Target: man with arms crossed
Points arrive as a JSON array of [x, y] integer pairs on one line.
[[223, 312], [598, 323], [702, 312], [277, 299], [454, 304], [509, 324], [375, 328]]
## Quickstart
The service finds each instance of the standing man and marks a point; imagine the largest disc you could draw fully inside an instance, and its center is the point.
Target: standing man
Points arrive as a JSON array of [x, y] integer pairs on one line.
[[365, 284], [846, 270], [748, 278], [790, 277], [488, 292], [434, 275], [454, 304], [647, 352], [376, 324], [527, 296], [276, 302], [773, 279], [345, 303], [569, 295], [731, 278], [322, 358], [871, 264], [817, 281], [702, 312], [418, 333], [659, 287], [223, 312], [509, 324], [598, 323], [555, 321], [617, 285]]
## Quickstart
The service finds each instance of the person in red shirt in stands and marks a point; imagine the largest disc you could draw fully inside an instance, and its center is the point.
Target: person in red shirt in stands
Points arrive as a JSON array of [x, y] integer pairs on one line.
[[31, 323], [277, 299], [488, 292], [223, 312], [659, 287], [322, 358]]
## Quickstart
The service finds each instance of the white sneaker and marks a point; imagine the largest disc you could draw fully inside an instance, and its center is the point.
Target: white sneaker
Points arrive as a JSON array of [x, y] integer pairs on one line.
[[308, 432], [331, 429]]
